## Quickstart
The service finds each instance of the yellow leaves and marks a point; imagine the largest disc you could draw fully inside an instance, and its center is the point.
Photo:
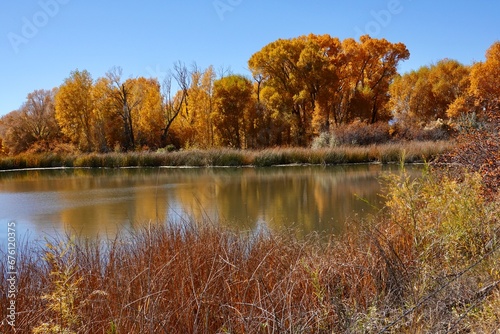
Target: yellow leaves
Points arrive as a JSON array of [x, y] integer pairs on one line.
[[232, 97], [194, 128], [447, 89], [458, 107], [427, 94], [323, 79], [73, 109], [148, 118], [485, 76]]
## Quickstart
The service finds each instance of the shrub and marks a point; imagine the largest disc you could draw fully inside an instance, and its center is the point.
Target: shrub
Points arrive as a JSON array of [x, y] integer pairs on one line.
[[478, 149], [410, 131], [322, 141], [356, 133], [360, 133]]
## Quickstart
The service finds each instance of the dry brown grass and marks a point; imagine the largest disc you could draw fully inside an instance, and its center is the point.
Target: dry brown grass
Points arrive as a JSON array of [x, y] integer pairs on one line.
[[415, 268], [383, 153]]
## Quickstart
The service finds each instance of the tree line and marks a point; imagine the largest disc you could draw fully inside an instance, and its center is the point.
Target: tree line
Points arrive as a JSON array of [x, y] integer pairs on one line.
[[300, 88]]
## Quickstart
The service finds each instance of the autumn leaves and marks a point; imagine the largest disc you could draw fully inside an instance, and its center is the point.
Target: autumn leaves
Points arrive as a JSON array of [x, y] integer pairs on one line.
[[300, 88], [312, 83]]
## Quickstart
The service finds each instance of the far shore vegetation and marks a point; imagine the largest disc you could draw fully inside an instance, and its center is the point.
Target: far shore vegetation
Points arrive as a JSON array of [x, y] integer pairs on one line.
[[313, 91], [384, 153]]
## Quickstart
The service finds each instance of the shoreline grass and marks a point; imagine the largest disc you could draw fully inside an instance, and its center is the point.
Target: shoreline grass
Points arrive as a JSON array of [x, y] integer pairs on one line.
[[427, 263], [410, 152]]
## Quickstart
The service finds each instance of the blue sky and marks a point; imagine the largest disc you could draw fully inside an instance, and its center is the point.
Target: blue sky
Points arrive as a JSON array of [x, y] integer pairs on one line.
[[42, 41]]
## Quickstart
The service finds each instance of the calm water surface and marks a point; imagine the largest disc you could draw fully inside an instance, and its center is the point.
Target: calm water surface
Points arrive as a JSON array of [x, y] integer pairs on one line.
[[311, 198]]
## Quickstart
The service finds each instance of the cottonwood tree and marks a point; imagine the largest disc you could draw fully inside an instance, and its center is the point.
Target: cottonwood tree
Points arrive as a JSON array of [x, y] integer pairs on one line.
[[232, 107], [485, 76], [128, 113], [374, 67], [286, 94], [311, 82], [201, 105], [74, 109], [484, 88], [108, 123], [428, 93], [148, 119], [195, 124]]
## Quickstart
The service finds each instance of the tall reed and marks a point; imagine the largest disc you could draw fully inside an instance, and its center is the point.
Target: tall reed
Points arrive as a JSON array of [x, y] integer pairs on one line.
[[383, 153]]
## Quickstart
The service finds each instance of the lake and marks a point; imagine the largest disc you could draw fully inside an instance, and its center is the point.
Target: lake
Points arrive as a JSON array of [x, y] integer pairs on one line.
[[106, 201]]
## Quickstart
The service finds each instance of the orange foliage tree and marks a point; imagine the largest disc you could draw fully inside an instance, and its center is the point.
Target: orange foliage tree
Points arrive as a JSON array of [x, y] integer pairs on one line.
[[303, 87], [232, 116], [427, 94], [478, 147], [194, 127], [74, 109], [312, 82]]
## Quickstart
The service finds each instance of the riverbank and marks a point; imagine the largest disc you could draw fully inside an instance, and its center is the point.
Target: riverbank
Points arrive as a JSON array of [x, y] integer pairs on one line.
[[410, 152], [414, 268]]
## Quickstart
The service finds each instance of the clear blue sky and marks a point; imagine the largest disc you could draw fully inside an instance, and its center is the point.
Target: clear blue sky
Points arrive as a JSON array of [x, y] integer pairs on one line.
[[42, 41]]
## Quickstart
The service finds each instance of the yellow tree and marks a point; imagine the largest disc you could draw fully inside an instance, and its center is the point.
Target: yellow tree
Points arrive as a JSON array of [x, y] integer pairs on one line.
[[195, 121], [148, 119], [333, 82], [449, 80], [374, 65], [426, 94], [108, 123], [484, 86], [202, 102], [74, 109], [194, 126], [310, 82], [289, 88], [124, 104], [138, 103], [231, 115], [411, 96], [485, 76], [317, 67]]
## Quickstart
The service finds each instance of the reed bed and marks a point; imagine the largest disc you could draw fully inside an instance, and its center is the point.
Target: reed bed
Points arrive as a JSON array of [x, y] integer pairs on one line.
[[383, 153], [428, 263]]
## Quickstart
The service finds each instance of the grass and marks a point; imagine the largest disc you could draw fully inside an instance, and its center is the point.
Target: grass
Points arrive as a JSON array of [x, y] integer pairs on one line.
[[384, 153], [427, 263]]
